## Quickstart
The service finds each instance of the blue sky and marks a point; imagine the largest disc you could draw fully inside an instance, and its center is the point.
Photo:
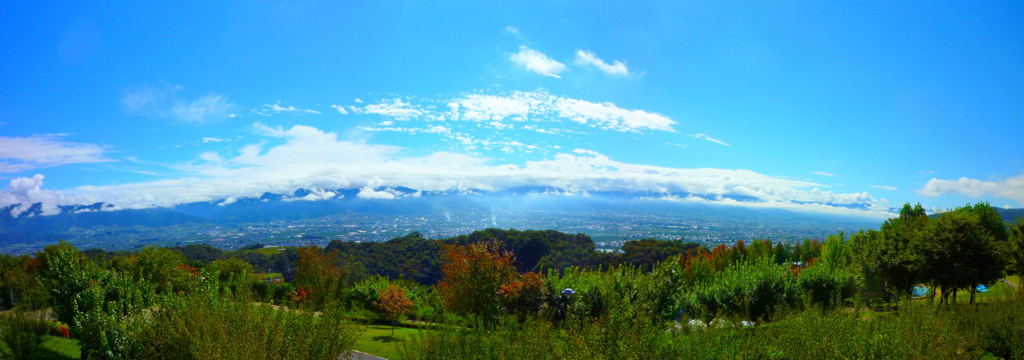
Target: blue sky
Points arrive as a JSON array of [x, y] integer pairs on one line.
[[823, 107]]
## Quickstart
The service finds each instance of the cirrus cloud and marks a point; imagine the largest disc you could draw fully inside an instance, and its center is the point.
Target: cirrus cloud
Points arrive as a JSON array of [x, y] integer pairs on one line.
[[19, 154]]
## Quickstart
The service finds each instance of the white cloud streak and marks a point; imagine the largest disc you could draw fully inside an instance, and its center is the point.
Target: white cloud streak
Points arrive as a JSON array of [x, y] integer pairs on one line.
[[884, 187], [341, 109], [167, 102], [822, 173], [19, 154], [711, 139], [587, 58], [1011, 188], [277, 108], [537, 62]]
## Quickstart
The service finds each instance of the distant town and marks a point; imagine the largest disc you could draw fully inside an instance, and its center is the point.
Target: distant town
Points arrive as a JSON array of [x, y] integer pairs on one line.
[[609, 229]]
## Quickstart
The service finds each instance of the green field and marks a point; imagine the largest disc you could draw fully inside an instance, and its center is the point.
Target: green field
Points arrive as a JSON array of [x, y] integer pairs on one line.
[[377, 340], [53, 348]]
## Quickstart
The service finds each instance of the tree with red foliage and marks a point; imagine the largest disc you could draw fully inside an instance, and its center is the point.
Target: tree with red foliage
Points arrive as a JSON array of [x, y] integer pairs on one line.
[[523, 295], [317, 273], [393, 303], [473, 276]]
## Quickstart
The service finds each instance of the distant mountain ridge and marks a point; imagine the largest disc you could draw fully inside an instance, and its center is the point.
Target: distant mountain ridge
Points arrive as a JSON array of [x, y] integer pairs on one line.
[[1011, 215]]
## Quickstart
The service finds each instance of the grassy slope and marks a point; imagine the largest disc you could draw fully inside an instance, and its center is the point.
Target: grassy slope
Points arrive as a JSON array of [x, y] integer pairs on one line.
[[377, 340]]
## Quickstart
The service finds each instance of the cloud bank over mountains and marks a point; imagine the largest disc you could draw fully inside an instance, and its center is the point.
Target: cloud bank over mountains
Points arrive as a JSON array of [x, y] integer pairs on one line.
[[317, 160]]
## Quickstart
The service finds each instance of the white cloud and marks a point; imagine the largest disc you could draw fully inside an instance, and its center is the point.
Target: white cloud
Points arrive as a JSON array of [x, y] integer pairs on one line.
[[19, 154], [437, 129], [512, 30], [884, 187], [394, 108], [537, 62], [587, 58], [367, 192], [24, 192], [315, 195], [213, 139], [167, 102], [681, 146], [210, 156], [311, 158], [925, 172], [1011, 188], [822, 173], [705, 137], [540, 106], [340, 108], [277, 108]]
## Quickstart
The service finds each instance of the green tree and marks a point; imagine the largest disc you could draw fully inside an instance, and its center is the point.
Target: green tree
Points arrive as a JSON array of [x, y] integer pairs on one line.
[[157, 266], [893, 258], [66, 273], [231, 268], [1015, 248], [965, 250]]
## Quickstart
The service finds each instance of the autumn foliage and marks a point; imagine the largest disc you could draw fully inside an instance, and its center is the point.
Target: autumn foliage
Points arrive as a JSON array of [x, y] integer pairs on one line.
[[317, 273], [480, 279], [393, 303]]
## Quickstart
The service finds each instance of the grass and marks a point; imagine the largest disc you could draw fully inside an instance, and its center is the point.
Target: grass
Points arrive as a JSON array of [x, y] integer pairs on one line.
[[270, 250], [999, 291], [59, 348], [53, 348], [377, 340]]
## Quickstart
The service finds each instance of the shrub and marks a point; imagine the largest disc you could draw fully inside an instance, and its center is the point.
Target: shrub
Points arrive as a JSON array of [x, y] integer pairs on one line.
[[211, 326], [20, 333]]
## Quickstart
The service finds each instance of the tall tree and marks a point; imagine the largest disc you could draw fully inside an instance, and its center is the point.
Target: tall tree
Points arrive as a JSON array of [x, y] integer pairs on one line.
[[473, 275], [318, 271], [965, 250], [393, 304], [1015, 248]]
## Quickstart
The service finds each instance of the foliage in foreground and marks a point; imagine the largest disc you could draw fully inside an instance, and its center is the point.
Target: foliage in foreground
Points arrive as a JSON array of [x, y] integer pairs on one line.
[[956, 332]]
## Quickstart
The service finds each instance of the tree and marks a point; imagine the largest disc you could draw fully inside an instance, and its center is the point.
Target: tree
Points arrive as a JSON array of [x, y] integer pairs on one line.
[[1015, 248], [893, 258], [473, 274], [393, 304], [964, 250], [318, 272], [66, 273], [157, 266], [231, 269]]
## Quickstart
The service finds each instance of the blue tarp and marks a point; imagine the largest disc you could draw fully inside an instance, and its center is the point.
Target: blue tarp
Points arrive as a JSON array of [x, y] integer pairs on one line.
[[920, 291]]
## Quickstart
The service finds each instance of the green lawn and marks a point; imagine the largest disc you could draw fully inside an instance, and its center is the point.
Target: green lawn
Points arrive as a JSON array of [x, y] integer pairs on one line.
[[53, 348], [377, 340], [998, 291]]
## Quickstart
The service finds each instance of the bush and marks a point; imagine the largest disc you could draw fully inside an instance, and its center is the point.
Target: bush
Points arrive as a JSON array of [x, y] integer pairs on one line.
[[20, 333], [827, 286], [210, 326], [752, 291]]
